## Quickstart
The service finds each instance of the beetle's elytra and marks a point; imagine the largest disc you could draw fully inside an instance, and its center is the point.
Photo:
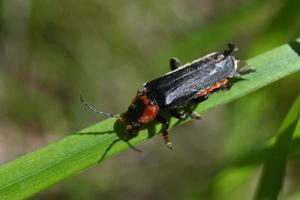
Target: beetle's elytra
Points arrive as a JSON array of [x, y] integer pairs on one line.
[[174, 90]]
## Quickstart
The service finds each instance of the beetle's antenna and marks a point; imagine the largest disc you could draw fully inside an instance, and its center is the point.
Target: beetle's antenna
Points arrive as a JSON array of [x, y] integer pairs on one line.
[[106, 114]]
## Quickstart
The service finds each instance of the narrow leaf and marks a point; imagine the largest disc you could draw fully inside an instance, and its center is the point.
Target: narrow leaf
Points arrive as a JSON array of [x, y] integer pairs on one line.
[[45, 167], [272, 177]]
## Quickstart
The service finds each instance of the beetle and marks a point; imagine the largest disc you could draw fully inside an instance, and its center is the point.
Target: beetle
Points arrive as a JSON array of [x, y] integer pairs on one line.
[[171, 92]]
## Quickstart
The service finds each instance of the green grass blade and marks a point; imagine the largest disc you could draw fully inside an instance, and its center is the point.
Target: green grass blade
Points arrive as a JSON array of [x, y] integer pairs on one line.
[[45, 167], [238, 172], [272, 177]]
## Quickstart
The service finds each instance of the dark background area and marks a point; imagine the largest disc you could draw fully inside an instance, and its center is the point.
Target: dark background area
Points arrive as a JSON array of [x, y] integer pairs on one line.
[[52, 51]]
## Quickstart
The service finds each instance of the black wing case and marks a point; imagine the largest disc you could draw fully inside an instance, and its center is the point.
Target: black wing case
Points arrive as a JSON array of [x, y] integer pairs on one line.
[[178, 87]]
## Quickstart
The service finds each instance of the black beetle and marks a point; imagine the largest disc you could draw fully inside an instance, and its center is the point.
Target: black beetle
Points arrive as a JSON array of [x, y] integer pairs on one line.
[[193, 81]]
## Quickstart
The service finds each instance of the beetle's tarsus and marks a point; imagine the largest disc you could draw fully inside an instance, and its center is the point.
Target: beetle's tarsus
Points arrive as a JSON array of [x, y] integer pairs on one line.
[[164, 131], [245, 70], [174, 63], [167, 139], [195, 115]]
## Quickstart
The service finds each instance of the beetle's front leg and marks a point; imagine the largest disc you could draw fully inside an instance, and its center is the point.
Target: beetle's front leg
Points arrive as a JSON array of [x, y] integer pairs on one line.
[[165, 133], [174, 63]]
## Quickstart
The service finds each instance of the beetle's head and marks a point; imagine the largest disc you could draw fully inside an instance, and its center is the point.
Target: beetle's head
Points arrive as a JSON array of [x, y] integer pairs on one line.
[[133, 127], [142, 110]]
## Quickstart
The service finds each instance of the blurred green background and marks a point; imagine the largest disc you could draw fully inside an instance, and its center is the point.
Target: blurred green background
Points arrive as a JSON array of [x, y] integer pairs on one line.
[[52, 51]]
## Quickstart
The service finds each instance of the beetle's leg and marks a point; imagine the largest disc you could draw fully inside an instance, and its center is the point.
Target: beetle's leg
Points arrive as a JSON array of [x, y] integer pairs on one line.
[[165, 133], [177, 114], [201, 98], [174, 63], [182, 116], [195, 115], [227, 86], [232, 48], [244, 70]]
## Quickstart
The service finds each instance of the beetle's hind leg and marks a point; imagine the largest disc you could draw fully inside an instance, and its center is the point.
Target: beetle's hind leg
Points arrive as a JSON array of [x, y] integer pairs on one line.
[[247, 69], [164, 131], [226, 86], [231, 48], [243, 68], [174, 63]]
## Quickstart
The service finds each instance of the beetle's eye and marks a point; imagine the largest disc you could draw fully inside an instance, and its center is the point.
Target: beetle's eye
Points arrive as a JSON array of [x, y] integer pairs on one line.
[[133, 106], [133, 127]]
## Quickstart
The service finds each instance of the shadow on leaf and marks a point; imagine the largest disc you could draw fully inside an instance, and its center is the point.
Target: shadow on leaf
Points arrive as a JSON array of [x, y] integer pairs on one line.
[[295, 45], [119, 131]]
